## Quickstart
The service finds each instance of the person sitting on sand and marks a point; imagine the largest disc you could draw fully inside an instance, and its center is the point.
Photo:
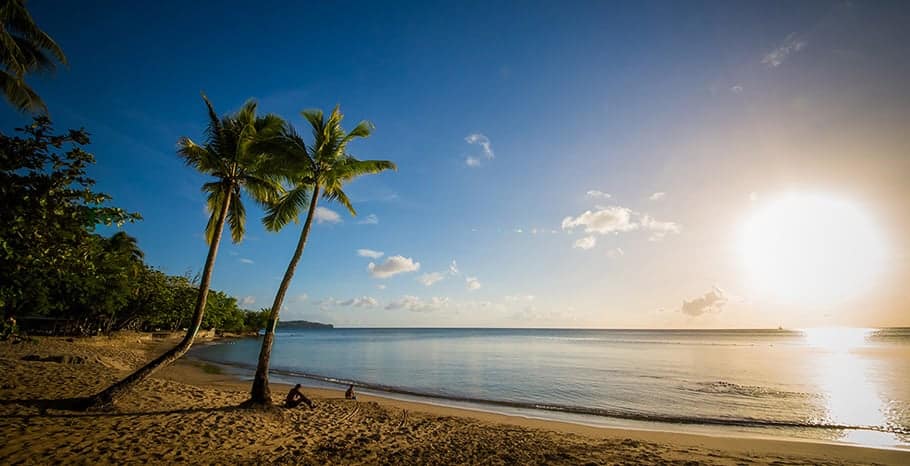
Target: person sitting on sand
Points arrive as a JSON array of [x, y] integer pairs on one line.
[[349, 393], [295, 397]]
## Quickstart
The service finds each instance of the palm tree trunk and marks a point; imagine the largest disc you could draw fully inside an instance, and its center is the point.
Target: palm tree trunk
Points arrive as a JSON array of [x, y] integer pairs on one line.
[[110, 395], [261, 394]]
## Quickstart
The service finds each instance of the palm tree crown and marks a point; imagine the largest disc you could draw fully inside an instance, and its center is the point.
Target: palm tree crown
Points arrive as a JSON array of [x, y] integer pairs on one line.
[[229, 156], [325, 164], [24, 48]]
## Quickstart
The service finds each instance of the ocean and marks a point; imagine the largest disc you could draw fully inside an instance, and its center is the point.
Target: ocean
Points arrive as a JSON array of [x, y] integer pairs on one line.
[[841, 384]]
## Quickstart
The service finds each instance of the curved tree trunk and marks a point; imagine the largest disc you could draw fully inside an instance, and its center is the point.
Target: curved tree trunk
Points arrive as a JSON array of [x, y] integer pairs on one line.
[[261, 394], [111, 394]]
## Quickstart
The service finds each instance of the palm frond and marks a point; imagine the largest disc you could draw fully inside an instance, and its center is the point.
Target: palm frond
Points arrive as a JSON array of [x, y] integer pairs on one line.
[[287, 208], [236, 216], [350, 168], [16, 18], [217, 194], [362, 130], [19, 94], [339, 196], [264, 189]]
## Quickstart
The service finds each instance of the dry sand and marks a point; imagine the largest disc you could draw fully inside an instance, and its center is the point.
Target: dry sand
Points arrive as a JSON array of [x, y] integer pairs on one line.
[[188, 414]]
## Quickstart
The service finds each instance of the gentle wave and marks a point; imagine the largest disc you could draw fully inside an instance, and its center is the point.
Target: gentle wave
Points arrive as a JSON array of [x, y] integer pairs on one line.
[[601, 412], [751, 391]]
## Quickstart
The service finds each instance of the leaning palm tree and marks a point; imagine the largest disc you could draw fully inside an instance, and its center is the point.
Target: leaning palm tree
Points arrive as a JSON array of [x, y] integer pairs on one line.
[[228, 155], [24, 48], [318, 170]]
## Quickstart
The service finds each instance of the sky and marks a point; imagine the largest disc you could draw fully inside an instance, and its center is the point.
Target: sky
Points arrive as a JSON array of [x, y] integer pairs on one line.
[[560, 164]]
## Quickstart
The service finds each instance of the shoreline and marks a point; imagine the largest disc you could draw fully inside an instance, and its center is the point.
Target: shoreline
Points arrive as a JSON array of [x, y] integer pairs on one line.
[[587, 417], [190, 370], [189, 412]]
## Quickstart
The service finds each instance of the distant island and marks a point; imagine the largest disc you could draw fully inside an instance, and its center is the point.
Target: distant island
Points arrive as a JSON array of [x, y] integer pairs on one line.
[[285, 324]]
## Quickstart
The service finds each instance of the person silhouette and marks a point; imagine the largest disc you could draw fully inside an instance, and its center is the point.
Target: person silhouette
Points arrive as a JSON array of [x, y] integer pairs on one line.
[[296, 397]]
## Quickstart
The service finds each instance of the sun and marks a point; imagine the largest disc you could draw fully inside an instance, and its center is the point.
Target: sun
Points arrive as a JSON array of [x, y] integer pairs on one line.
[[811, 249]]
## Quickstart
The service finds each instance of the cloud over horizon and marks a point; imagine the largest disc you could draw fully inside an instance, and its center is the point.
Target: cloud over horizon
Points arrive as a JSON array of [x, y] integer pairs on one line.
[[472, 283], [604, 221], [587, 242], [415, 304], [615, 220], [712, 301], [393, 266], [363, 301], [428, 279]]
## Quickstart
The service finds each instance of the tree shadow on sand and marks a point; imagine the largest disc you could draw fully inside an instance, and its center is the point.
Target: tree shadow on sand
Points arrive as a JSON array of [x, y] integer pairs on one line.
[[80, 407]]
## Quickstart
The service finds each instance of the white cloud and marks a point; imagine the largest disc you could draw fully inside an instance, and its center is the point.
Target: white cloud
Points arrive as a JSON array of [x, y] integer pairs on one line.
[[615, 252], [472, 161], [248, 301], [606, 220], [245, 260], [453, 268], [790, 46], [712, 301], [301, 298], [472, 283], [658, 229], [519, 298], [428, 279], [615, 219], [518, 230], [393, 266], [324, 215], [753, 196], [484, 142], [587, 242], [737, 89], [415, 304], [369, 253], [596, 194], [380, 286], [657, 196], [363, 301], [371, 219], [327, 303]]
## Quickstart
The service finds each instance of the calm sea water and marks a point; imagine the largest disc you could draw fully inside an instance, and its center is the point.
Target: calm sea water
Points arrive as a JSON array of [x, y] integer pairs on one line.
[[849, 385]]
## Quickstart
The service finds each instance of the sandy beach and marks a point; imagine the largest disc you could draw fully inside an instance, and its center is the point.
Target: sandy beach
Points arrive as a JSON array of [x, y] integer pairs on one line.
[[189, 413]]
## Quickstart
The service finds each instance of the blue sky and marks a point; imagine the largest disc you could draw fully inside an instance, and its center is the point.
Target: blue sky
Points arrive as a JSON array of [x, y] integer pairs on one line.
[[718, 105]]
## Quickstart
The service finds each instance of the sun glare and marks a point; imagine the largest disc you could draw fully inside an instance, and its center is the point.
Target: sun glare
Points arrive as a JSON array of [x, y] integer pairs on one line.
[[811, 249]]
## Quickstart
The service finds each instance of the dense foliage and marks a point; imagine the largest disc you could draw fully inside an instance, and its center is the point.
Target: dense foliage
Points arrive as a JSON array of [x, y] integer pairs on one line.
[[53, 263]]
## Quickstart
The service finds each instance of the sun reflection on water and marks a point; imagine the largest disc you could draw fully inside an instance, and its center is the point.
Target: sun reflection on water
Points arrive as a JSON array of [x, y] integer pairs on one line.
[[852, 397], [837, 338]]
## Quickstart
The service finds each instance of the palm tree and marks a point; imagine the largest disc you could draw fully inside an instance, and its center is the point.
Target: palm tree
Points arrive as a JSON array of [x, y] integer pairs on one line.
[[229, 156], [126, 246], [320, 169], [24, 48]]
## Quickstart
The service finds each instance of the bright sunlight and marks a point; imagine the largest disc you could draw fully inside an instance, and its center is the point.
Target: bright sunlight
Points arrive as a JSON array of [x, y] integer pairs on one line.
[[811, 249]]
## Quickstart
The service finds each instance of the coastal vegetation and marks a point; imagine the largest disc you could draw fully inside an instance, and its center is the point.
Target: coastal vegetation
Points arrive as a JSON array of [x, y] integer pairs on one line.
[[55, 265]]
